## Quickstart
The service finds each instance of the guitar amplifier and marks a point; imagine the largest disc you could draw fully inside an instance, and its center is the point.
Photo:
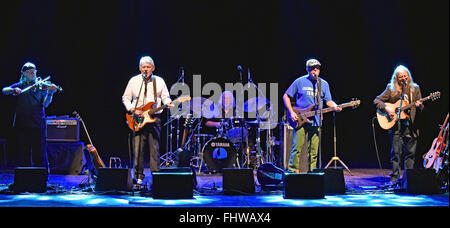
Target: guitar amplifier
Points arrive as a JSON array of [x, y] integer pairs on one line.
[[62, 129]]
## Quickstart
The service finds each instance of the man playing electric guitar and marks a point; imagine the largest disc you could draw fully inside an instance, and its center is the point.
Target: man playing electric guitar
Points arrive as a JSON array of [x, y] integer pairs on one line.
[[403, 134], [141, 90], [305, 92]]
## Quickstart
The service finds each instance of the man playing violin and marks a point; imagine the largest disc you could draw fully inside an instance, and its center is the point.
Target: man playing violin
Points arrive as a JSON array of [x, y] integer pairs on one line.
[[29, 117]]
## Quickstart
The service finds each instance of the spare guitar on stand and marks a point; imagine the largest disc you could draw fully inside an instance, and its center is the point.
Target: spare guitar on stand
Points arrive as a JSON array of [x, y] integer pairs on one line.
[[95, 158]]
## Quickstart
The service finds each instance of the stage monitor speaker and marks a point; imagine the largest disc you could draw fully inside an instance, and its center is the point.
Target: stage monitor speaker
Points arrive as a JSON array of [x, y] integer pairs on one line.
[[421, 181], [304, 186], [238, 181], [30, 179], [62, 129], [333, 180], [113, 179], [173, 184], [65, 157]]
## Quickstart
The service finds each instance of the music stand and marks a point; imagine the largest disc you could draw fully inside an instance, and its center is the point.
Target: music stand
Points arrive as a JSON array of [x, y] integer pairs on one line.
[[335, 158]]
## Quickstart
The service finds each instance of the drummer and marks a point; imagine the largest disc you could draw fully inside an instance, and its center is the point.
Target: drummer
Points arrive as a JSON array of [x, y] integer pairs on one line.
[[227, 106]]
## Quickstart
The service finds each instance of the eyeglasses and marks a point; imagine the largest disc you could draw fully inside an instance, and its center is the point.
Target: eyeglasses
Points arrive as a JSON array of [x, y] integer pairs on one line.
[[314, 67]]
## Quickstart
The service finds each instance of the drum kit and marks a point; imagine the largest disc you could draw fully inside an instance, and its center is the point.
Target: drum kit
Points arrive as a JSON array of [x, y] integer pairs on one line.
[[236, 143]]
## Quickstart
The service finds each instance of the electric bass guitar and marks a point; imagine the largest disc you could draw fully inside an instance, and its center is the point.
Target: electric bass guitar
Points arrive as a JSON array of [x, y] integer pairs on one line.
[[433, 155], [304, 113], [138, 122], [387, 122]]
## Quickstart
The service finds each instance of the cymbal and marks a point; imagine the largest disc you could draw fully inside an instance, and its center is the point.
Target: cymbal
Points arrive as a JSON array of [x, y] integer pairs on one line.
[[254, 122], [204, 107], [254, 104]]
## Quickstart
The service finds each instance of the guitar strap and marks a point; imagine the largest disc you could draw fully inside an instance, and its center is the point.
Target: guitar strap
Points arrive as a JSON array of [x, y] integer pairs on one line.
[[154, 88], [319, 90]]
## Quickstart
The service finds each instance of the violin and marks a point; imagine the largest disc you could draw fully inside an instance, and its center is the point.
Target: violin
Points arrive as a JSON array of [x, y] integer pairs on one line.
[[42, 84]]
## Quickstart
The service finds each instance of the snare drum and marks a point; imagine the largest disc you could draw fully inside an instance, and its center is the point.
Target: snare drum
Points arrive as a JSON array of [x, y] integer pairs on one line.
[[219, 153]]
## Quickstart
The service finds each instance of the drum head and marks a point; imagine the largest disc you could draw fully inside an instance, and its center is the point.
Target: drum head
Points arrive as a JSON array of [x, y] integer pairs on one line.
[[219, 153]]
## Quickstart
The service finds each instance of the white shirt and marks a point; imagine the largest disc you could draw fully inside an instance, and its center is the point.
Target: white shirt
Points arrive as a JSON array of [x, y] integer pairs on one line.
[[130, 95]]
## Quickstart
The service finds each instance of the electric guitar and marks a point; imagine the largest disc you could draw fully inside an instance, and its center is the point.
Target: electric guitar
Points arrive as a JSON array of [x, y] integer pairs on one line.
[[432, 157], [138, 122], [304, 113], [387, 122]]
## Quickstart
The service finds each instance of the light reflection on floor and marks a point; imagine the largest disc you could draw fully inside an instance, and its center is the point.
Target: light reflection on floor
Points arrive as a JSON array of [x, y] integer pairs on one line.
[[93, 200]]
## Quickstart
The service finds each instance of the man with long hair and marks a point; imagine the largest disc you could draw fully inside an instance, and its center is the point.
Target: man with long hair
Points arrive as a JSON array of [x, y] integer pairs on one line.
[[404, 134]]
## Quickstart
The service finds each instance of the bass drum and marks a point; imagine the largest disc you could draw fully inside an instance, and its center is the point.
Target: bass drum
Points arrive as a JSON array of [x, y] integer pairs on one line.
[[219, 153]]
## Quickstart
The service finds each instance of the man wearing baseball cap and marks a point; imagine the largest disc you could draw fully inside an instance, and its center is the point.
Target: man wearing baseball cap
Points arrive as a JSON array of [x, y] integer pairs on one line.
[[306, 91]]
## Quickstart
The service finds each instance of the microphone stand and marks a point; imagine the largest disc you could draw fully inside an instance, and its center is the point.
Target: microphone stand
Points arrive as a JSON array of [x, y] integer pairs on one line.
[[319, 100], [336, 158], [241, 101], [269, 158], [133, 115]]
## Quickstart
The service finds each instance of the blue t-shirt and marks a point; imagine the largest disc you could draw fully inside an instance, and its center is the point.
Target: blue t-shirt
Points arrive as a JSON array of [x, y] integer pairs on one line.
[[304, 91]]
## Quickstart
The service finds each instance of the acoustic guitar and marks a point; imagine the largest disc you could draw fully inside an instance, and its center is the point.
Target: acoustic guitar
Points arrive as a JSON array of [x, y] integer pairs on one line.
[[95, 158], [304, 113], [387, 122], [433, 155], [138, 122]]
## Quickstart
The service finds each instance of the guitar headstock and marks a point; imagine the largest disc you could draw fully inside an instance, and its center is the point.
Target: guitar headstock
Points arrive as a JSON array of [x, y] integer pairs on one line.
[[183, 99], [77, 115], [355, 103], [435, 95]]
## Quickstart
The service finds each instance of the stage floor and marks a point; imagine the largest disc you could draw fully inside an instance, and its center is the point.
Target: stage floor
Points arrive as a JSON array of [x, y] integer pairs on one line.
[[365, 188]]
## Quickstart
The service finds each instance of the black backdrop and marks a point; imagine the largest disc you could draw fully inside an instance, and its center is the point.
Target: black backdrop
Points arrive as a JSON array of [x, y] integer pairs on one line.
[[92, 48]]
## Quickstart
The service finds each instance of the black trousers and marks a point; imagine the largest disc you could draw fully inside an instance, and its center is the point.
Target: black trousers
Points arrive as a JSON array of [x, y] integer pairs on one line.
[[147, 139], [31, 147], [404, 143]]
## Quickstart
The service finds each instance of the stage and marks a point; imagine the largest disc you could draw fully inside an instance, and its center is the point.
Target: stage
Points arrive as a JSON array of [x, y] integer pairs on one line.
[[364, 188]]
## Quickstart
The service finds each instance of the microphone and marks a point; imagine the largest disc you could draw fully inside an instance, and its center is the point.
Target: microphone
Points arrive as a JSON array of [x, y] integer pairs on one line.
[[239, 68]]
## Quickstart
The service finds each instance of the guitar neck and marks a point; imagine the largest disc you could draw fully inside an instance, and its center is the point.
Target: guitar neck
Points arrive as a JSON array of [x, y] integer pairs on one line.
[[325, 110], [412, 104], [153, 111]]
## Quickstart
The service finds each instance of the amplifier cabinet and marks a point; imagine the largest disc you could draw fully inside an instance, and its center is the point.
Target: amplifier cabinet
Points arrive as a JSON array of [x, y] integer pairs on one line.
[[62, 129]]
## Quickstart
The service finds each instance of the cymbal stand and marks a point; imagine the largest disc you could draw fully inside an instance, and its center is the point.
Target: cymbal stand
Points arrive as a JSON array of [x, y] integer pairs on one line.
[[269, 142], [335, 158], [167, 157]]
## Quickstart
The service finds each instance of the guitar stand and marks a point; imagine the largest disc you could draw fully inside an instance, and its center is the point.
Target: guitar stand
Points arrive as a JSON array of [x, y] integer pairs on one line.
[[335, 158]]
